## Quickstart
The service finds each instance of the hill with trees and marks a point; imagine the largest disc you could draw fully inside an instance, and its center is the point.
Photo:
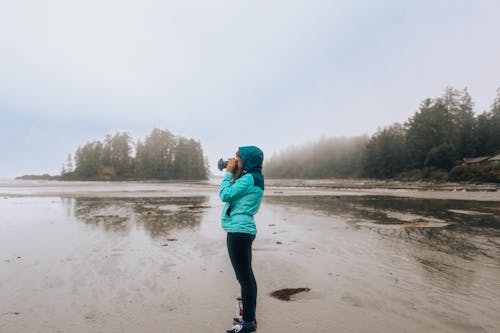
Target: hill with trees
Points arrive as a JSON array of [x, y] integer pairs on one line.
[[433, 144], [160, 156]]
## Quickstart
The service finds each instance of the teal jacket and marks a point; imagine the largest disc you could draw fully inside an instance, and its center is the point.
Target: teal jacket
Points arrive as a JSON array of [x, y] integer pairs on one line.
[[244, 196]]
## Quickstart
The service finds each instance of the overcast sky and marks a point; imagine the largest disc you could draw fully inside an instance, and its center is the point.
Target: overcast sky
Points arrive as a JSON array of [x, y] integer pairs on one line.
[[230, 73]]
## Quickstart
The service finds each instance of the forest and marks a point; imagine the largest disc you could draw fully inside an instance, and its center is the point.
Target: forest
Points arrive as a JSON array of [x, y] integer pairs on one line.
[[437, 143], [161, 155]]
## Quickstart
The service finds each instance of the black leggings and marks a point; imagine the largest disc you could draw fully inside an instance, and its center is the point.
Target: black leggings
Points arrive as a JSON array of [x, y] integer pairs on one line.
[[239, 246]]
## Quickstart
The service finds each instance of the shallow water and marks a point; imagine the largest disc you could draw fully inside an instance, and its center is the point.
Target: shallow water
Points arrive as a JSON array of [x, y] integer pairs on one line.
[[137, 263]]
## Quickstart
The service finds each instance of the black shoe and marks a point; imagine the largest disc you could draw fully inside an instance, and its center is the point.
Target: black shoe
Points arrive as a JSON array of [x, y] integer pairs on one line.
[[240, 329]]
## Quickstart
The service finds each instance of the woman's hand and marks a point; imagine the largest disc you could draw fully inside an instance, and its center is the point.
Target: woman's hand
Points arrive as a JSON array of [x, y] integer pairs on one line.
[[231, 164]]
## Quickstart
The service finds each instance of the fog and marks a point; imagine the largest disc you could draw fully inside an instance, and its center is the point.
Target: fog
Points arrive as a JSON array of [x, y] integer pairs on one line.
[[228, 74]]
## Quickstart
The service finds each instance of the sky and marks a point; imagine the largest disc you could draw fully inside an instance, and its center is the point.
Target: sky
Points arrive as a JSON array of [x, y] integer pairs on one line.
[[230, 73]]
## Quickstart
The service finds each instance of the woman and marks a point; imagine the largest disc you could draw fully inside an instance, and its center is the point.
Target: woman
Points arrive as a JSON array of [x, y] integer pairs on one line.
[[242, 189]]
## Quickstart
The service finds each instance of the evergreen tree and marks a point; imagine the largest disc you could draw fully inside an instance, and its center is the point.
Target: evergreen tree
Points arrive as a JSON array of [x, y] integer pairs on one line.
[[157, 154], [429, 127], [494, 140], [385, 153], [198, 167], [139, 162], [69, 163], [117, 154], [89, 160], [482, 134], [67, 166], [464, 123], [487, 130]]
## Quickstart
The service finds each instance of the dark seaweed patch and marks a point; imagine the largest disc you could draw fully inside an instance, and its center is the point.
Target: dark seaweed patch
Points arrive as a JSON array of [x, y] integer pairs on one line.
[[284, 294]]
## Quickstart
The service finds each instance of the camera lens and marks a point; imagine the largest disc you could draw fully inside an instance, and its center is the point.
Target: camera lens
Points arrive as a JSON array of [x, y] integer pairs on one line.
[[222, 164]]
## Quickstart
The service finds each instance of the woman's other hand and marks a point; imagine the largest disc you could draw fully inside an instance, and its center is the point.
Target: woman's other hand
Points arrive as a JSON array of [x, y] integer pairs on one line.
[[231, 164]]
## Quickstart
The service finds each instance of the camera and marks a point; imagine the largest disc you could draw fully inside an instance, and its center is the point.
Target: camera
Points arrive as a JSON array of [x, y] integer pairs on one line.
[[222, 164]]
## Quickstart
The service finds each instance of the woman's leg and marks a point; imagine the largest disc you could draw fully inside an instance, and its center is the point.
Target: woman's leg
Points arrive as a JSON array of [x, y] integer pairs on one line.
[[239, 246]]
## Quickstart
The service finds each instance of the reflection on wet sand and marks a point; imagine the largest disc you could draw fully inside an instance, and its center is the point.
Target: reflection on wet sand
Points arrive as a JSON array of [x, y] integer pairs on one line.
[[436, 247], [140, 264], [158, 216], [434, 223], [441, 264]]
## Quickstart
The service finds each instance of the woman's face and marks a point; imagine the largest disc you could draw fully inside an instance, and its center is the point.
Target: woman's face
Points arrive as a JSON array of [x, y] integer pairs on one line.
[[239, 161]]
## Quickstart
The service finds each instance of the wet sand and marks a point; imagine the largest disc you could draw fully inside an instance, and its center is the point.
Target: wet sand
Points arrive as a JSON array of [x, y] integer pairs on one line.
[[484, 192], [134, 257]]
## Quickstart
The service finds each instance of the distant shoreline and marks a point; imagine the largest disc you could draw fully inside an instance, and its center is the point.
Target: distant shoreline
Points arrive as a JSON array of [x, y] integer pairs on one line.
[[63, 179], [274, 187], [38, 177], [329, 183], [365, 184]]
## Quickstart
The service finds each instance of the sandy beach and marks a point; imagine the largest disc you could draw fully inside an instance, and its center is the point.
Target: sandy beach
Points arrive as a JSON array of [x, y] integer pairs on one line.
[[151, 257]]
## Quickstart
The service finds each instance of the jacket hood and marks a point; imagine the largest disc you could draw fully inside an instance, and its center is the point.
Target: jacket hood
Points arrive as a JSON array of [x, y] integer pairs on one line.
[[253, 158]]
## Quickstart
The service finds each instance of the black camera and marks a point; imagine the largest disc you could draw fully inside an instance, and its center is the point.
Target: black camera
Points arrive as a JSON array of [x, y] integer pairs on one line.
[[222, 164]]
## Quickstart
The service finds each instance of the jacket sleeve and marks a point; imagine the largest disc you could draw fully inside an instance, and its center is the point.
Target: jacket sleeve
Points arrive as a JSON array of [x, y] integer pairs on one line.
[[230, 191]]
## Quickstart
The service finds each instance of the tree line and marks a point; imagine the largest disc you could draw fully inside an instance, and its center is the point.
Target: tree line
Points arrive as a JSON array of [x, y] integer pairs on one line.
[[327, 158], [429, 145], [161, 155]]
